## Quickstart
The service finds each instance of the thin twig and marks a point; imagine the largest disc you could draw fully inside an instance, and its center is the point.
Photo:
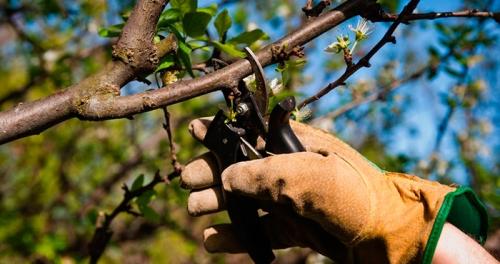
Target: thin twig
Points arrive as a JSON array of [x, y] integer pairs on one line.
[[365, 61], [308, 5], [102, 233], [314, 11], [435, 15], [381, 93], [173, 151], [443, 125]]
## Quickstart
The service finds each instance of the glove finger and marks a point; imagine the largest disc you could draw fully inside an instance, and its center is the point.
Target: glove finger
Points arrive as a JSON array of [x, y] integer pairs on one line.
[[324, 143], [313, 139], [284, 231], [198, 127], [206, 201], [314, 186], [201, 172], [273, 177]]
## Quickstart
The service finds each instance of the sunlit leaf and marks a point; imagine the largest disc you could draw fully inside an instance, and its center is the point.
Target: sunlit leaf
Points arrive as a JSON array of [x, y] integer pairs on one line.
[[222, 22], [184, 53], [169, 16], [185, 6], [229, 49], [211, 9], [249, 37], [111, 31], [166, 62]]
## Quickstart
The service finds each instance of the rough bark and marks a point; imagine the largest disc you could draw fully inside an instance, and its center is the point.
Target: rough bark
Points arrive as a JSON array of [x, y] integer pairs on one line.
[[97, 97]]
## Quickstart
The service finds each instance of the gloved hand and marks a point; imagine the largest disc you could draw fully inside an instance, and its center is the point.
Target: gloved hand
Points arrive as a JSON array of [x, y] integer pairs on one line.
[[330, 199]]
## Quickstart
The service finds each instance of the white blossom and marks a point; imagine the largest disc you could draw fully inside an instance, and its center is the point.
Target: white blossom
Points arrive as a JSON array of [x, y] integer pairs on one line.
[[276, 86], [362, 29]]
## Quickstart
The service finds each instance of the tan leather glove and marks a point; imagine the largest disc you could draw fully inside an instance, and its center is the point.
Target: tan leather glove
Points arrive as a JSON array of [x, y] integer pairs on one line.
[[330, 198]]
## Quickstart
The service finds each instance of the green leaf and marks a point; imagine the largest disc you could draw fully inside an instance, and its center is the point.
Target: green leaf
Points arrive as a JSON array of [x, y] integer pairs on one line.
[[145, 198], [249, 37], [138, 182], [229, 49], [166, 62], [223, 23], [185, 6], [111, 31], [391, 5], [149, 214], [176, 29], [156, 39], [143, 204], [169, 16], [195, 23], [288, 67], [211, 9], [184, 53]]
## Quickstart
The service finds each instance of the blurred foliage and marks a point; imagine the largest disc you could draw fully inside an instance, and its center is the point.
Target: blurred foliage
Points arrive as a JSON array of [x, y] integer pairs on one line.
[[56, 185]]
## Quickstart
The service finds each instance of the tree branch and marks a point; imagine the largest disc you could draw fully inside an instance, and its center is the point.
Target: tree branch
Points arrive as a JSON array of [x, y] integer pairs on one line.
[[314, 11], [102, 234], [365, 61], [436, 15], [34, 117], [376, 95], [135, 46], [121, 171], [97, 97]]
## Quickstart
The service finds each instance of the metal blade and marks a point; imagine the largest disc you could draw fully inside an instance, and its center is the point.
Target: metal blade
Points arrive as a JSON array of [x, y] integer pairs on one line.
[[249, 151], [261, 93]]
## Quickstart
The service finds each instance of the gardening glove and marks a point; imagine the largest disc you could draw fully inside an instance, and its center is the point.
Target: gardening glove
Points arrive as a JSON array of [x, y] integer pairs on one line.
[[330, 199]]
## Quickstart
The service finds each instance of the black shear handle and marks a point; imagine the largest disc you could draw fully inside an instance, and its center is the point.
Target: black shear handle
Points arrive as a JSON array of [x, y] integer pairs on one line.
[[224, 142], [280, 138]]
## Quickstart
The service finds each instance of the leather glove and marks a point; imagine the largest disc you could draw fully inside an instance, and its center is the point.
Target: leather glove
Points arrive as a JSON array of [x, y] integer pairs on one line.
[[329, 198]]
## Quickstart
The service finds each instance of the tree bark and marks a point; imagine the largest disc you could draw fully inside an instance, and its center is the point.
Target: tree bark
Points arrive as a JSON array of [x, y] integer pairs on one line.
[[97, 97]]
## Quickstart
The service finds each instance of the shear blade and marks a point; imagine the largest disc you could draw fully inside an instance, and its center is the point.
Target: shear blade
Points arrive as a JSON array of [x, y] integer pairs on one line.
[[261, 93], [249, 151]]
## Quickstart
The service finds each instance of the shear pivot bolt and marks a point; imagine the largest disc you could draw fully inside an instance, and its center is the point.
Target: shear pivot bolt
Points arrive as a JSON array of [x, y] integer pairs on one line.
[[242, 109]]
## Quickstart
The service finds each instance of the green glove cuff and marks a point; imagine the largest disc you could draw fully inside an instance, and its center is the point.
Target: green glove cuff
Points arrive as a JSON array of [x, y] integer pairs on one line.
[[462, 209]]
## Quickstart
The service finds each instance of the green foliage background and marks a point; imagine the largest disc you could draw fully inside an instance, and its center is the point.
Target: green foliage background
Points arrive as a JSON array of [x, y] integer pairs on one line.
[[55, 186]]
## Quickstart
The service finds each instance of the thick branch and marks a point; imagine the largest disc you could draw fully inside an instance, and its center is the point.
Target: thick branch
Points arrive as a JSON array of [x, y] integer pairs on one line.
[[32, 118], [125, 106], [135, 46], [365, 61], [106, 104]]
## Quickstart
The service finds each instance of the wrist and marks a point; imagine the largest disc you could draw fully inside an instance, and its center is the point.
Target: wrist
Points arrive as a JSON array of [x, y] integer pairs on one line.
[[463, 211], [454, 246]]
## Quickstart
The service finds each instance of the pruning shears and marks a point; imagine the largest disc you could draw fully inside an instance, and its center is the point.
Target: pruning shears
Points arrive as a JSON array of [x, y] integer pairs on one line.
[[234, 139]]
